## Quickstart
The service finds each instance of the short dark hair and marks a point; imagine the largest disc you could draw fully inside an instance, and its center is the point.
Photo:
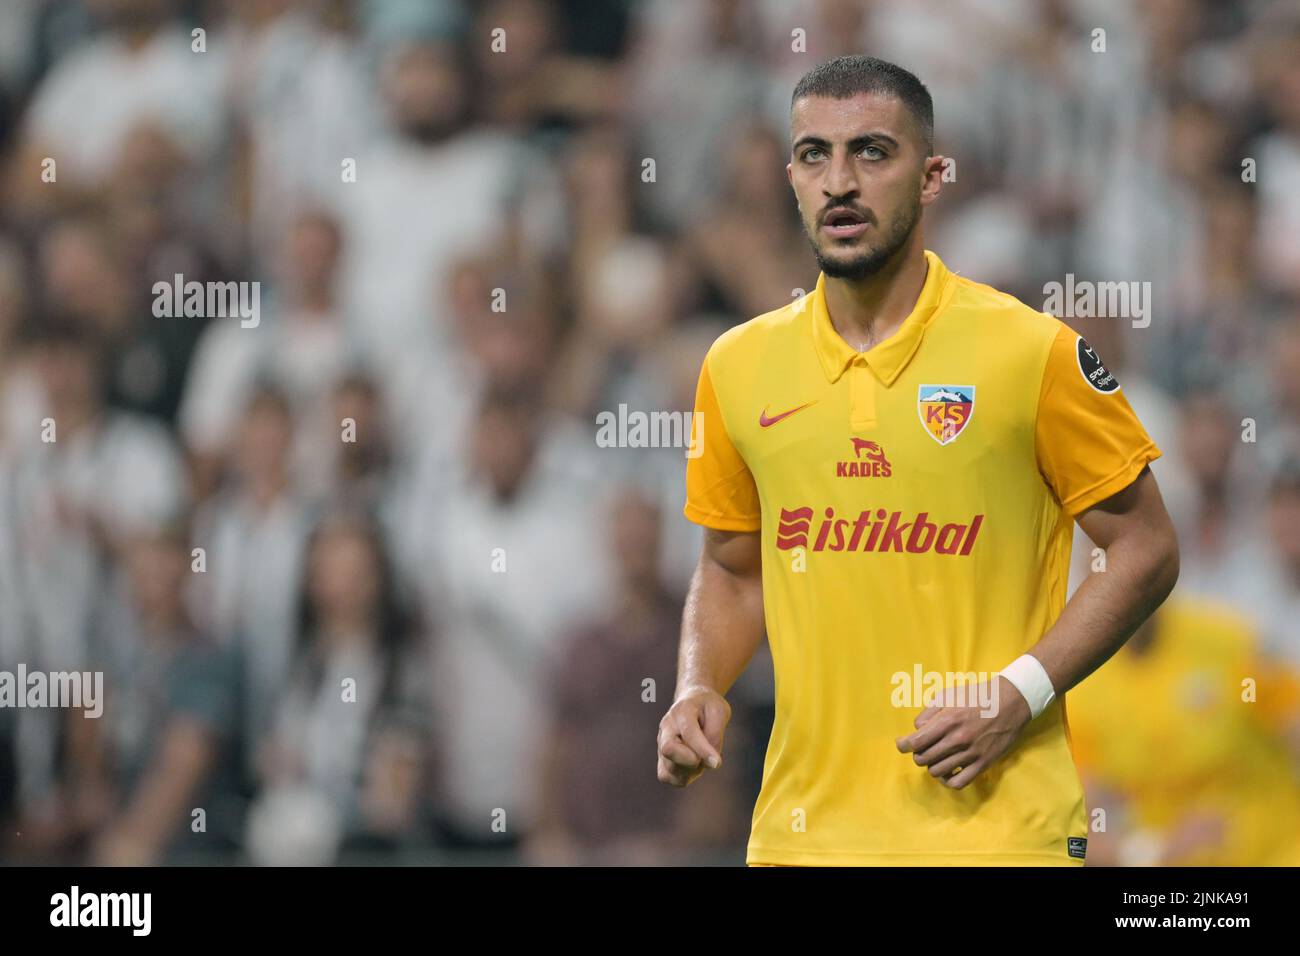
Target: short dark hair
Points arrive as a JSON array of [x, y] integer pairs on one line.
[[848, 76]]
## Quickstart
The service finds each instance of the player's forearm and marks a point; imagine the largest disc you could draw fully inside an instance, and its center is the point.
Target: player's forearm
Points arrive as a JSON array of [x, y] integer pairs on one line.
[[721, 628], [1108, 607]]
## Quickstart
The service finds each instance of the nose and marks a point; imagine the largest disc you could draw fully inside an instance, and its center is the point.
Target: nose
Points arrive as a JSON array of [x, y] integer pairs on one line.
[[840, 184]]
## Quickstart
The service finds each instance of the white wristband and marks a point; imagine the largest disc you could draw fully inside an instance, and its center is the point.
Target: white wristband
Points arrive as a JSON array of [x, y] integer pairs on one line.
[[1028, 676]]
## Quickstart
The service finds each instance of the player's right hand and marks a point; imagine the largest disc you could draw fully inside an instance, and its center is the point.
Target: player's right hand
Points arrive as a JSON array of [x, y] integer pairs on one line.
[[690, 736]]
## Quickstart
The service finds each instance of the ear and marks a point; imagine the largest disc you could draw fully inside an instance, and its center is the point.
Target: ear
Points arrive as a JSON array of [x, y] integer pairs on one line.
[[933, 179], [789, 172]]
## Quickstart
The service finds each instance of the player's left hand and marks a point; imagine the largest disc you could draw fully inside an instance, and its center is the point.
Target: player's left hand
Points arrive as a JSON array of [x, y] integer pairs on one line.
[[957, 742]]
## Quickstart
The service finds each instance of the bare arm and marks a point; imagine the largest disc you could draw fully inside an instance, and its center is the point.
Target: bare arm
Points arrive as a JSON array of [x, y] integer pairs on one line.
[[1132, 526], [1134, 530], [723, 622], [721, 629]]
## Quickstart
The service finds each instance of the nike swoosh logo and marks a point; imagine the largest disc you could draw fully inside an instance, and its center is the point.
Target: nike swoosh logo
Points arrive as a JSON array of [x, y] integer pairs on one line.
[[764, 421]]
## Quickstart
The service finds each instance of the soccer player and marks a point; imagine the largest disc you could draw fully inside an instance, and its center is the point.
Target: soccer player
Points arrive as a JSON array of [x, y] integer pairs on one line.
[[890, 470]]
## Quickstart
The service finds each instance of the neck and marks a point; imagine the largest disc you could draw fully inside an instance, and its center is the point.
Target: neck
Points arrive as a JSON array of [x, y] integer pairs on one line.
[[869, 310]]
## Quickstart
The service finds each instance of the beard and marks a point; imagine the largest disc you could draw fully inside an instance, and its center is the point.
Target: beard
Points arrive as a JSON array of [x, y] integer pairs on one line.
[[871, 260]]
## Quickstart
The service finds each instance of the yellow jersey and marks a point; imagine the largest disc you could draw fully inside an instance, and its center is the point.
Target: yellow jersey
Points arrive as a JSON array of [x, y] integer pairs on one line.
[[915, 503], [1196, 724]]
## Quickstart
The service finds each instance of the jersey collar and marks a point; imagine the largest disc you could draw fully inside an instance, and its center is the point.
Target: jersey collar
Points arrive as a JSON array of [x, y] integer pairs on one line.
[[888, 358]]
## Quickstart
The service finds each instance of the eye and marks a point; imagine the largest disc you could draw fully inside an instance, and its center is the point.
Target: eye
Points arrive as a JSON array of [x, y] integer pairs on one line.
[[872, 152], [812, 153]]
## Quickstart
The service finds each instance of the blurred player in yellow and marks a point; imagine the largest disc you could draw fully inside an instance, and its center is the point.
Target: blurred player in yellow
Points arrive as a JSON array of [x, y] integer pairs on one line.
[[1188, 741], [889, 474]]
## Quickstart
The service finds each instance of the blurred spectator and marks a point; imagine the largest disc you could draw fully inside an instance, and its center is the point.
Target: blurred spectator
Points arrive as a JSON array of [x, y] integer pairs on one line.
[[680, 50], [1145, 226], [19, 386], [1277, 152], [95, 477], [503, 330], [513, 559], [299, 88], [561, 70], [253, 533], [1218, 535], [169, 703], [302, 347], [83, 278], [500, 327], [135, 774], [359, 470], [596, 804], [748, 242], [139, 70], [345, 765], [1267, 588], [1280, 412], [434, 189]]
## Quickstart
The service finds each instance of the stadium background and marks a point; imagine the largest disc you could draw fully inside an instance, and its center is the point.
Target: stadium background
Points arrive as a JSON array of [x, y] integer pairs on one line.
[[500, 589]]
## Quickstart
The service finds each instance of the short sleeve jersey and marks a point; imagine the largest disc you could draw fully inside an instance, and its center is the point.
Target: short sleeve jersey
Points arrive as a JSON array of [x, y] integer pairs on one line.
[[915, 504]]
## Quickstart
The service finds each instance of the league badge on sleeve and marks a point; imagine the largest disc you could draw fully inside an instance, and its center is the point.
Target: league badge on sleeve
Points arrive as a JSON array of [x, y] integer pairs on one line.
[[1094, 372], [945, 410]]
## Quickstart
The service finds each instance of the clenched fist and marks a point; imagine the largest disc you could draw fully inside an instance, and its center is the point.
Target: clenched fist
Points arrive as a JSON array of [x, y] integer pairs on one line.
[[690, 736]]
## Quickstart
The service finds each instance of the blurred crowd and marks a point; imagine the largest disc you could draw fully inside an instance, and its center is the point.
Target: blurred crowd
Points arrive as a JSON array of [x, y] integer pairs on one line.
[[360, 580]]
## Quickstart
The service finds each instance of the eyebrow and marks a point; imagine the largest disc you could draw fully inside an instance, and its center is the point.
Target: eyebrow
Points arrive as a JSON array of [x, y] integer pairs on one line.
[[855, 144]]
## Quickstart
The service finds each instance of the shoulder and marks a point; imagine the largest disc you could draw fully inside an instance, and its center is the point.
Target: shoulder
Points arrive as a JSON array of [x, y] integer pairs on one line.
[[1023, 341], [995, 311], [740, 345]]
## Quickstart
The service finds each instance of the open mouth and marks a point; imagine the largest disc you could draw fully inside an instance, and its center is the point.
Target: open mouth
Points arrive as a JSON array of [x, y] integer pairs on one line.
[[844, 223]]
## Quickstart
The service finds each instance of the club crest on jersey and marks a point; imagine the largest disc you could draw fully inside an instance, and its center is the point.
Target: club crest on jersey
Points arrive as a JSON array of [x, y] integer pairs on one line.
[[945, 410]]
